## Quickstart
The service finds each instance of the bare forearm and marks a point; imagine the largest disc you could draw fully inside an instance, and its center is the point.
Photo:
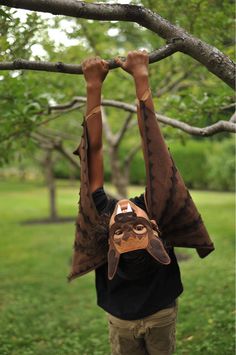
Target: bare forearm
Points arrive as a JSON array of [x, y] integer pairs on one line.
[[141, 85], [94, 130], [93, 97], [95, 71], [143, 91]]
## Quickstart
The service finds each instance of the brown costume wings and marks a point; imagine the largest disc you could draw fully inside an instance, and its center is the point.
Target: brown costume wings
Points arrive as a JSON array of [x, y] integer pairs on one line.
[[167, 200], [89, 251]]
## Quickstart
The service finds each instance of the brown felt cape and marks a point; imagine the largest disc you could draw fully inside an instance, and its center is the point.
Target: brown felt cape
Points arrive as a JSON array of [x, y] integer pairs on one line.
[[167, 200]]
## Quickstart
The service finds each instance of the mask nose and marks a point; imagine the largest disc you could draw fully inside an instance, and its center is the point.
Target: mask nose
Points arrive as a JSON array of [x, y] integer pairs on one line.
[[127, 228]]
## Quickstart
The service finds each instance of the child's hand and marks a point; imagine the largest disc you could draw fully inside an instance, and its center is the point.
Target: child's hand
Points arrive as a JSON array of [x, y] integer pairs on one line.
[[136, 63], [95, 71]]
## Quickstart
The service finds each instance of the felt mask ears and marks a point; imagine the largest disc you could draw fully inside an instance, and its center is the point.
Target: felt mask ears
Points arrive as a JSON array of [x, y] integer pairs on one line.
[[157, 250], [113, 260], [155, 226], [153, 221]]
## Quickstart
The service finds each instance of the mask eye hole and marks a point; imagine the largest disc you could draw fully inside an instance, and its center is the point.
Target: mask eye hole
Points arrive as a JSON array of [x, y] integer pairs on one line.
[[118, 234], [140, 229]]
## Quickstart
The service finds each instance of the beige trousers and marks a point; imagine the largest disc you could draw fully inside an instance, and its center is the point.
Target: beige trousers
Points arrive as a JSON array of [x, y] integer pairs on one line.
[[153, 335]]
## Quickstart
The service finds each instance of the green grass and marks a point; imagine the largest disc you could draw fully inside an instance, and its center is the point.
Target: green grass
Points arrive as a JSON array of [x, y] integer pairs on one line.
[[40, 313]]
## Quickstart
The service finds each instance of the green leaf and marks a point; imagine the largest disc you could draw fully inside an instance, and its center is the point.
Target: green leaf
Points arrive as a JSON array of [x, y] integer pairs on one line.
[[5, 14]]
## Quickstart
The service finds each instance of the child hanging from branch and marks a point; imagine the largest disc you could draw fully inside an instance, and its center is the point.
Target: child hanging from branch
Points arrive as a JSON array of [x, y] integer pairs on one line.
[[130, 243]]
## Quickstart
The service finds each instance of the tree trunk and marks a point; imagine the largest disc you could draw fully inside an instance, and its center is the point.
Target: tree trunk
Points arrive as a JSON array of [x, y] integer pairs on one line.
[[119, 176], [50, 182]]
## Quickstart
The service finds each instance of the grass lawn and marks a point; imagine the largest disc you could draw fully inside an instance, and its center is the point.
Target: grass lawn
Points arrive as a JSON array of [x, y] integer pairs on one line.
[[40, 313]]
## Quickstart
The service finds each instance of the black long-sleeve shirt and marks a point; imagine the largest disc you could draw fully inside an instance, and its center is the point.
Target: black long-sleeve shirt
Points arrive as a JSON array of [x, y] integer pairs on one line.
[[141, 286]]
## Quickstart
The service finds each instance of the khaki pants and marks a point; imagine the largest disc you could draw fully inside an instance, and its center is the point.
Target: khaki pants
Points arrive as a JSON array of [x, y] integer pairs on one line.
[[153, 335]]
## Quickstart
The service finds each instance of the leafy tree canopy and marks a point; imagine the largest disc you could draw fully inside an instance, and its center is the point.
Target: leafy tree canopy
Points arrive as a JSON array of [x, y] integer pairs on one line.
[[182, 88]]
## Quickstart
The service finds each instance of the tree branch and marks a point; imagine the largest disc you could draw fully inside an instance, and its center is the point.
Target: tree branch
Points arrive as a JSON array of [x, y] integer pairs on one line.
[[60, 67], [213, 59], [229, 106], [220, 126], [62, 107]]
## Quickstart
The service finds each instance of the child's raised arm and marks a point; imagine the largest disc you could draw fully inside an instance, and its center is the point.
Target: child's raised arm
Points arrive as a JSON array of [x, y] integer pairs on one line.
[[95, 71]]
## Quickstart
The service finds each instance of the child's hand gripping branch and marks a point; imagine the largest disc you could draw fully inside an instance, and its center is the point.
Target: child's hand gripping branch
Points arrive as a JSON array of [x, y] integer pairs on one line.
[[136, 64]]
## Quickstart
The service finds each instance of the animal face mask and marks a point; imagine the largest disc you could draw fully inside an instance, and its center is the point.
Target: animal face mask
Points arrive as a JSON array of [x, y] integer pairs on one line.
[[130, 229]]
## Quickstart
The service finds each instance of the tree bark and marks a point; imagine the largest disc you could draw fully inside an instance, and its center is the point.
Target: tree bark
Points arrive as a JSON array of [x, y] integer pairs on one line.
[[213, 59], [60, 67], [50, 182], [119, 176]]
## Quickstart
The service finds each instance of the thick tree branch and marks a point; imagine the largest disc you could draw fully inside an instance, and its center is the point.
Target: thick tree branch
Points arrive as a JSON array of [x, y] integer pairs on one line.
[[220, 126], [214, 60]]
